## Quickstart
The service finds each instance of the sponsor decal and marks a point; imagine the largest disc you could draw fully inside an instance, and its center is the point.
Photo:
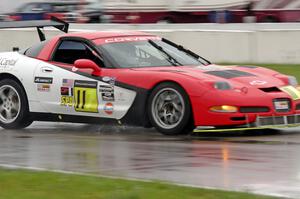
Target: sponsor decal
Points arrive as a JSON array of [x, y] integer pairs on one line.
[[43, 80], [43, 87], [107, 93], [130, 39], [105, 88], [8, 62], [110, 80], [67, 101], [258, 82], [68, 83], [67, 92], [85, 96], [109, 108], [85, 84], [106, 79]]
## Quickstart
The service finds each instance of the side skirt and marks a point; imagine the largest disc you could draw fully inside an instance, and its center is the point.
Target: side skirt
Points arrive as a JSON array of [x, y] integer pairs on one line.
[[50, 117]]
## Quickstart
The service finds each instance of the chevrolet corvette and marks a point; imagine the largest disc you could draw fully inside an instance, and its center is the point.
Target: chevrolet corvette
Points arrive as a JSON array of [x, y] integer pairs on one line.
[[136, 78]]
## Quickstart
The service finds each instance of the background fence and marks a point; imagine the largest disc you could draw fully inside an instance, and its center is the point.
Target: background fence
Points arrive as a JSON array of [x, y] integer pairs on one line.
[[235, 43]]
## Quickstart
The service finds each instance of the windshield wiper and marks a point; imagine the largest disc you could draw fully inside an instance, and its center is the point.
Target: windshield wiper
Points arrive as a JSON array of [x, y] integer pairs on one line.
[[181, 48], [171, 59]]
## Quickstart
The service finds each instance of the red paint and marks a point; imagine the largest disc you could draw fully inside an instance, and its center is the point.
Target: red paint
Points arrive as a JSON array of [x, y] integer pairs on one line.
[[194, 80], [88, 64]]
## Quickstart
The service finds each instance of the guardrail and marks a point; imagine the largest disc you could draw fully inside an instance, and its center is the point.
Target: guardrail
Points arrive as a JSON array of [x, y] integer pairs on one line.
[[239, 43]]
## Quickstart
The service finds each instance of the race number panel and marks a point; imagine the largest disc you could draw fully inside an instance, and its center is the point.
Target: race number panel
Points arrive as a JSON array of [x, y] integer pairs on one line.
[[86, 96]]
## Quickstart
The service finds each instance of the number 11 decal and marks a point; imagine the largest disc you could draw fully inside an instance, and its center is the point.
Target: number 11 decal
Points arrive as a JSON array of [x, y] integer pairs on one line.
[[86, 97]]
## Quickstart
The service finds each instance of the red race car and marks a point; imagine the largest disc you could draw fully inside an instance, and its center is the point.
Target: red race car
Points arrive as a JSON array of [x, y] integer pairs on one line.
[[139, 79]]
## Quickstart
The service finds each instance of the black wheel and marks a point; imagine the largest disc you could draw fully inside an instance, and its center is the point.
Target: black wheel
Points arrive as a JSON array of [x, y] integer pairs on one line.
[[169, 110], [14, 110]]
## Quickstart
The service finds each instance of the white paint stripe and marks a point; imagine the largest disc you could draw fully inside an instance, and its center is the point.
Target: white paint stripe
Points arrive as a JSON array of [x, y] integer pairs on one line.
[[17, 167]]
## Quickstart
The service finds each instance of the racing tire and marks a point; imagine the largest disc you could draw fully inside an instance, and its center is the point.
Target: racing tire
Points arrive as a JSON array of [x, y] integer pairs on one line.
[[14, 109], [169, 110]]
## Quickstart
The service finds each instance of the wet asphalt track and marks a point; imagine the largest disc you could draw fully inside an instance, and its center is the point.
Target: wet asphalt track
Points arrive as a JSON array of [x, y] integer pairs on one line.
[[265, 162]]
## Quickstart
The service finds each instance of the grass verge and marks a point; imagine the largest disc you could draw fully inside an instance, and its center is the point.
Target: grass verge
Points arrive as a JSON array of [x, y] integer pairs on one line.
[[23, 184]]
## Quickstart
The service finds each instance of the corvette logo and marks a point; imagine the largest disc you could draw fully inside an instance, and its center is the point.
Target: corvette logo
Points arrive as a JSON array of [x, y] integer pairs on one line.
[[258, 82]]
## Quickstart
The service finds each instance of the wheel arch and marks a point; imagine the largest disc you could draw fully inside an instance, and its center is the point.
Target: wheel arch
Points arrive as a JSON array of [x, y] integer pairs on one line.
[[13, 77], [138, 115], [9, 76], [24, 118], [174, 82]]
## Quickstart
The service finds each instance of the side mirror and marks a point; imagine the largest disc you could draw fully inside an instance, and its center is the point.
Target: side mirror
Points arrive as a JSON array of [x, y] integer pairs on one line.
[[88, 64]]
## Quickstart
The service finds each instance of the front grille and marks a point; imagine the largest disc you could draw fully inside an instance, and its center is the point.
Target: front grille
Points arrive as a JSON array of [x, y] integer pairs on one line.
[[254, 109], [282, 105], [278, 120], [293, 119], [263, 121]]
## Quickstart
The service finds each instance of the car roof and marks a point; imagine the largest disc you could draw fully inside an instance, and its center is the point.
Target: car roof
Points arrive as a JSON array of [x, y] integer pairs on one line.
[[106, 34]]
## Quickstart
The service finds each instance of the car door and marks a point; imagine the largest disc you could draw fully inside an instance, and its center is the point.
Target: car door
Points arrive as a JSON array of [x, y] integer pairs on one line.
[[63, 88]]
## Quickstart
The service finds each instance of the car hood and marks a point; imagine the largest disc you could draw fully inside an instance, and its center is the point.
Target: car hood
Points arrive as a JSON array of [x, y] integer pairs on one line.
[[245, 76]]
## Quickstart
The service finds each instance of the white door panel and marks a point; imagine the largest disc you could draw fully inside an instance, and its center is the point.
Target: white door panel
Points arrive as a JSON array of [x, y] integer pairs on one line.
[[63, 92]]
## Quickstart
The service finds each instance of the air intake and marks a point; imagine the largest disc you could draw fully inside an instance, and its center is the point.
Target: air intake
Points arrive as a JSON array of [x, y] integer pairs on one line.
[[254, 109], [271, 90]]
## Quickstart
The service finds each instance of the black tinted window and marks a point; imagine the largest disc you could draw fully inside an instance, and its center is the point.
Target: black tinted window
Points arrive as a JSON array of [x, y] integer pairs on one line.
[[70, 51]]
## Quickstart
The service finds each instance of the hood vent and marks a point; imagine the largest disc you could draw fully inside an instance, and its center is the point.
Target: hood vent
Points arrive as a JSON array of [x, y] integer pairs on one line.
[[271, 90], [229, 74]]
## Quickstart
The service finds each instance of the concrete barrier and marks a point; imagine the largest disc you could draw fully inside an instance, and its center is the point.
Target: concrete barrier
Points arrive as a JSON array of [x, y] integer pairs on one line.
[[239, 43]]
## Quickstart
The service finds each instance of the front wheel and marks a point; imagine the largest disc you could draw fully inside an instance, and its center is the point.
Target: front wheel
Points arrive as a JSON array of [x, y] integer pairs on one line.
[[14, 111], [169, 110]]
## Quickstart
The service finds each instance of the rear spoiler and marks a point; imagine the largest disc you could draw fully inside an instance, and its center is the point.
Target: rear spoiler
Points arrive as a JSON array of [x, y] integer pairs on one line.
[[39, 24]]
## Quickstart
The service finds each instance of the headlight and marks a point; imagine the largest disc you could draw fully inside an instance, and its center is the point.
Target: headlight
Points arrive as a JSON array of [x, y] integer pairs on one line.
[[222, 86], [293, 81], [224, 109]]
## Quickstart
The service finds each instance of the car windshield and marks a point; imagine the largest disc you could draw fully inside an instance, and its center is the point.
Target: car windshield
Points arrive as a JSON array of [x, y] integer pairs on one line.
[[149, 53]]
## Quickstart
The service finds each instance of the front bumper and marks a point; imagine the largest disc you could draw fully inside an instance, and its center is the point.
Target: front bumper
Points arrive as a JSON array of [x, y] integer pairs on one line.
[[270, 116], [278, 120], [275, 122]]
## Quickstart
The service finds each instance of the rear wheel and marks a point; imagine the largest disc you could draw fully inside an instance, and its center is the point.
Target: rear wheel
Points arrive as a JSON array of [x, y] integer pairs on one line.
[[14, 111], [169, 110]]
